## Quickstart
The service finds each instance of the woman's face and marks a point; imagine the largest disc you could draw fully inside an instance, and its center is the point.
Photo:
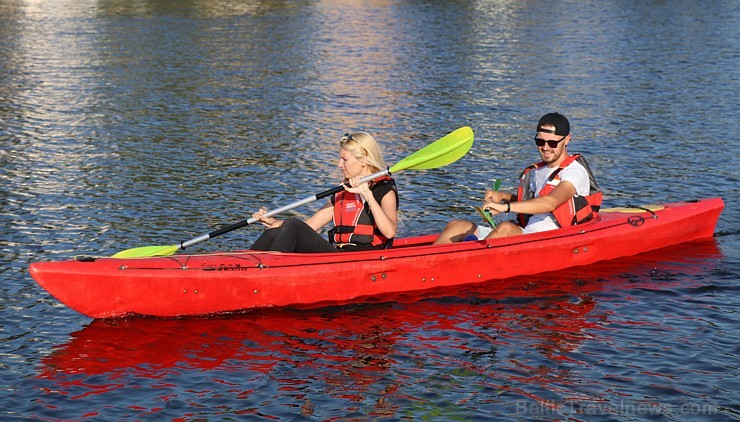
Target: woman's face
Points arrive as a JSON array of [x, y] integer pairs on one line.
[[350, 165]]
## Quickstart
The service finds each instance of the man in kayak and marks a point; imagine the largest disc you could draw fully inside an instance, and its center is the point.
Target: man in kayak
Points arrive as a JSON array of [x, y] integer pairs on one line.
[[365, 215], [559, 191]]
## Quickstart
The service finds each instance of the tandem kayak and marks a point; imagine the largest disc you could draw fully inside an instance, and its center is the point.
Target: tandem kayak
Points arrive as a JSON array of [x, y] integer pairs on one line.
[[228, 282]]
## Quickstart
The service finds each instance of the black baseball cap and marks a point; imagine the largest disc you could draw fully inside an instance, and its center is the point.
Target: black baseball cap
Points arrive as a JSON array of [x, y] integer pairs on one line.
[[562, 126]]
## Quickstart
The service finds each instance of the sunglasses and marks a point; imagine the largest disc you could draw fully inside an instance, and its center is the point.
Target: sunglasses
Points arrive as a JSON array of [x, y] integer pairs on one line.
[[347, 137], [551, 144]]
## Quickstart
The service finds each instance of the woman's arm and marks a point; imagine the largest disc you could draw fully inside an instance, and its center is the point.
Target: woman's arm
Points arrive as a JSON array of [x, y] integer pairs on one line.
[[318, 220], [321, 217], [385, 213]]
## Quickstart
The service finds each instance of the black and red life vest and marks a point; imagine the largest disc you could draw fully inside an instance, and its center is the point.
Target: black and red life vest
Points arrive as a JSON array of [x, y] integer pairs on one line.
[[577, 210], [353, 221]]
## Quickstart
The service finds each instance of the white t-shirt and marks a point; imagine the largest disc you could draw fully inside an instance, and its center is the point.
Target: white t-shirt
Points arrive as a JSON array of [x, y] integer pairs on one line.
[[575, 173]]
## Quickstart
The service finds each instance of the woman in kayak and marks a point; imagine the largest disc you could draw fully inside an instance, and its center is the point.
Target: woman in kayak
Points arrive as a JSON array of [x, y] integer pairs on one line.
[[365, 215]]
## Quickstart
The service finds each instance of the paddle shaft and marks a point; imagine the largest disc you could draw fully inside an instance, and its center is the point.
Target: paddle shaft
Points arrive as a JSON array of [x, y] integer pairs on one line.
[[280, 210]]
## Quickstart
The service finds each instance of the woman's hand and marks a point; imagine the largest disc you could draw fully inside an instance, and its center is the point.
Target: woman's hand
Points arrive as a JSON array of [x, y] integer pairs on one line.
[[270, 222], [356, 187]]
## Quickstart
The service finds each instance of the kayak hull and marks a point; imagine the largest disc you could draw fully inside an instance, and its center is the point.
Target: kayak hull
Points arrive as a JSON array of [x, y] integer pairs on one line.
[[189, 285]]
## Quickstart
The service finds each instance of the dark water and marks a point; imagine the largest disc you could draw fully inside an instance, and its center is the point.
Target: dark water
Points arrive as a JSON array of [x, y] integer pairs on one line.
[[126, 124]]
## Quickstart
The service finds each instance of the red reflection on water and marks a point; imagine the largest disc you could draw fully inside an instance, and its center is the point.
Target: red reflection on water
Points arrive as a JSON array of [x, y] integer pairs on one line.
[[349, 349]]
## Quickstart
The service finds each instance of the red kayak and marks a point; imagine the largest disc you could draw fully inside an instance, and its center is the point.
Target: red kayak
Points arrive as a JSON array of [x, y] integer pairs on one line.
[[187, 285]]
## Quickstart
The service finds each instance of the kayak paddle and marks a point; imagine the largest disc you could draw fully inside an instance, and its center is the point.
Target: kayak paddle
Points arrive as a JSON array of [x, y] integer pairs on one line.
[[439, 153]]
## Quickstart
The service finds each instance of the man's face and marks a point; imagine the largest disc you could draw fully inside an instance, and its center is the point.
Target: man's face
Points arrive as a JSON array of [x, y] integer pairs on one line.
[[551, 154]]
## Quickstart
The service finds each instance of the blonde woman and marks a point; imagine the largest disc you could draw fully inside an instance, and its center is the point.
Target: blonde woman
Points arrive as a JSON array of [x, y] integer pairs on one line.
[[365, 215]]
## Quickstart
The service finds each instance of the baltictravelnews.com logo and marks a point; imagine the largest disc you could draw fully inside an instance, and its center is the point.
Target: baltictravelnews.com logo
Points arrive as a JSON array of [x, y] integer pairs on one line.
[[525, 407]]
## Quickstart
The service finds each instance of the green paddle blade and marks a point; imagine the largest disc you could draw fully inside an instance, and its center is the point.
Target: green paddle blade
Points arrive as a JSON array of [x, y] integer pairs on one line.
[[443, 151], [147, 251]]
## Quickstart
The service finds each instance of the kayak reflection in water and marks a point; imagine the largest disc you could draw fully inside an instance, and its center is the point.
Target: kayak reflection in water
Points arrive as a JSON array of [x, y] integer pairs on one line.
[[559, 191], [365, 216]]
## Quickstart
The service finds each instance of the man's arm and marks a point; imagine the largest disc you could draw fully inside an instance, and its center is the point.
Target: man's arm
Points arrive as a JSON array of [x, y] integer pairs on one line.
[[540, 205], [496, 196]]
